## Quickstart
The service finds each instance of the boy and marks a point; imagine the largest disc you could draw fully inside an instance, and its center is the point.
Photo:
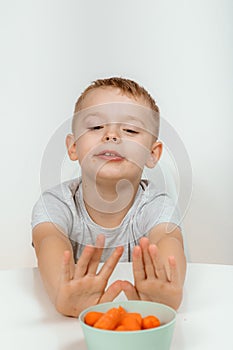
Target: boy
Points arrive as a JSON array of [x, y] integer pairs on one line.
[[110, 214]]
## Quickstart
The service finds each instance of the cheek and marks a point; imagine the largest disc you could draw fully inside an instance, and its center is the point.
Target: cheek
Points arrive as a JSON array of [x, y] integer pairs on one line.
[[81, 149], [85, 146], [137, 153]]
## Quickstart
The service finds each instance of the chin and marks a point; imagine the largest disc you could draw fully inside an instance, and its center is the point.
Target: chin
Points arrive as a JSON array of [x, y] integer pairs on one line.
[[111, 175]]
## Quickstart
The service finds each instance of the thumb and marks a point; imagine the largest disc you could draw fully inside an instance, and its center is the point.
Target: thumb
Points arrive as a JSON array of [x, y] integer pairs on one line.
[[112, 292], [129, 290]]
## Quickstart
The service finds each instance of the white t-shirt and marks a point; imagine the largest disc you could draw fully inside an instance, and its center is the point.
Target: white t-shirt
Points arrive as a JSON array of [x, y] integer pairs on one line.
[[63, 205]]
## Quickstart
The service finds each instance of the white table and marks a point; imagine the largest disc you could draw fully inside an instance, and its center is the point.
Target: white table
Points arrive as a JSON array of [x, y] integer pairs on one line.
[[28, 319]]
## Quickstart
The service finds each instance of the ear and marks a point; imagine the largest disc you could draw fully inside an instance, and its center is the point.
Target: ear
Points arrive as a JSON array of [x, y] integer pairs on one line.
[[156, 151], [71, 147]]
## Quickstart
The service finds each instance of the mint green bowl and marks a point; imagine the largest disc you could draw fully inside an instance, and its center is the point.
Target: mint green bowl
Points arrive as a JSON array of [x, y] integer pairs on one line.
[[152, 339]]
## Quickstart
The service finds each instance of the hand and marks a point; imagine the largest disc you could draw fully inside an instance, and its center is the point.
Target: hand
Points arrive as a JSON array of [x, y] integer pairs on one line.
[[84, 287], [153, 282]]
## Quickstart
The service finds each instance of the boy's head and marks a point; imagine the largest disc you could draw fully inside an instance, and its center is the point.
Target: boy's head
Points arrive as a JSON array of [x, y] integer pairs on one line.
[[115, 116]]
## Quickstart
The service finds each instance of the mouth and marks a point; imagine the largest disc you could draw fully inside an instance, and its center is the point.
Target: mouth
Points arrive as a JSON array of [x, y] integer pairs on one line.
[[110, 155]]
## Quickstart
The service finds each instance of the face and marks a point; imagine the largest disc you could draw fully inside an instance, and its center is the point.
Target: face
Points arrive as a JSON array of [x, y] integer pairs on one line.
[[113, 136]]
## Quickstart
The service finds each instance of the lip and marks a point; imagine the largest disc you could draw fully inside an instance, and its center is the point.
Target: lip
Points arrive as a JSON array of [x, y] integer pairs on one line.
[[110, 155]]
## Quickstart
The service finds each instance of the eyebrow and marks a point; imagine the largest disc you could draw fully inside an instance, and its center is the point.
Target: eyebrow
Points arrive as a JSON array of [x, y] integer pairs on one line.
[[93, 115], [132, 118]]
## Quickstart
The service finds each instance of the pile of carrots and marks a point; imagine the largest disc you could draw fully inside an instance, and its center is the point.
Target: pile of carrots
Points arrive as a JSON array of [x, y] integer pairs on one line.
[[118, 319]]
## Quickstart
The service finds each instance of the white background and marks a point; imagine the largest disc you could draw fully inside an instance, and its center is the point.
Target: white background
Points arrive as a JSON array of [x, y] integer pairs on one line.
[[181, 51]]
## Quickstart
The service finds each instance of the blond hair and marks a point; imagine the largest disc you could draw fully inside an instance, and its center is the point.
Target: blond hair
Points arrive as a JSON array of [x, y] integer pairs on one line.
[[127, 86]]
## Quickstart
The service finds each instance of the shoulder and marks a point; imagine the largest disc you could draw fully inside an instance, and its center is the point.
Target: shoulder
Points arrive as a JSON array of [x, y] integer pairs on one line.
[[57, 205], [156, 199], [150, 192], [65, 188], [149, 201], [154, 206], [63, 192], [58, 198]]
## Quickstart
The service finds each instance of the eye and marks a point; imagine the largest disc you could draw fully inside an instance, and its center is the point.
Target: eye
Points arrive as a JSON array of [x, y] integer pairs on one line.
[[97, 127], [130, 131]]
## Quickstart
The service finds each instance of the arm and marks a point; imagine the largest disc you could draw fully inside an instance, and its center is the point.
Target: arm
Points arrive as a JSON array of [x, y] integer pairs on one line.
[[159, 267], [50, 244], [73, 287]]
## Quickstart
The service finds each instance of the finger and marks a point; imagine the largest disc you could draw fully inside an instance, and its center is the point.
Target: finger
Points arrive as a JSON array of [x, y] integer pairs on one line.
[[112, 292], [65, 269], [129, 290], [95, 260], [110, 264], [159, 267], [148, 263], [174, 276], [138, 266], [82, 264]]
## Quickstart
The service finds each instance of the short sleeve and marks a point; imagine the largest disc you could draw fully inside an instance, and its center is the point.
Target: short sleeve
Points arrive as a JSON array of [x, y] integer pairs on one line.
[[50, 208]]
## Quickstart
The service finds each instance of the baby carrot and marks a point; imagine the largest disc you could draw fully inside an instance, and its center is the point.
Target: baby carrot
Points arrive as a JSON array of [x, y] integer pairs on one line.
[[135, 315], [121, 328], [150, 322], [122, 311], [109, 320], [92, 317], [130, 323]]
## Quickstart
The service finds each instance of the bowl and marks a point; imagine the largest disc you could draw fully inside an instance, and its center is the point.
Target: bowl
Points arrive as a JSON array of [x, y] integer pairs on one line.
[[158, 338]]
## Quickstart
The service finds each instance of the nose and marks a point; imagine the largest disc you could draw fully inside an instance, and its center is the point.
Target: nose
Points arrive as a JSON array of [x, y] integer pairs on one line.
[[111, 138], [112, 135]]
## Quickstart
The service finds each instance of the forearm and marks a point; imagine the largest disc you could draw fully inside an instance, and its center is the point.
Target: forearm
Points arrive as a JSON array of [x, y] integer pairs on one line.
[[50, 255], [171, 246]]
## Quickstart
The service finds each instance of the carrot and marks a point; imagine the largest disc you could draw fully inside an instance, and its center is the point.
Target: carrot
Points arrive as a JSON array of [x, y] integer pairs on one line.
[[120, 328], [150, 322], [130, 323], [122, 311], [135, 315], [109, 320], [92, 317]]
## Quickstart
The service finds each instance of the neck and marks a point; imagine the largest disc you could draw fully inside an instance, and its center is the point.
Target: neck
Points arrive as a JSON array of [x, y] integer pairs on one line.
[[107, 201]]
